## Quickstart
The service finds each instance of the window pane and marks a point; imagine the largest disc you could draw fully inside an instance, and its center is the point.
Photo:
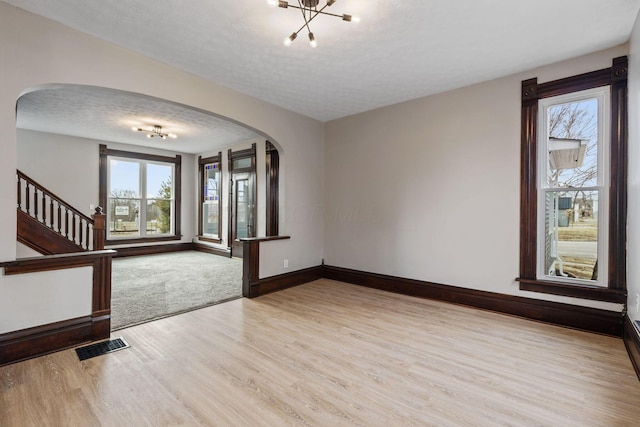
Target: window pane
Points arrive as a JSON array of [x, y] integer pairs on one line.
[[211, 192], [210, 219], [571, 234], [124, 178], [124, 218], [573, 144], [159, 215], [159, 181]]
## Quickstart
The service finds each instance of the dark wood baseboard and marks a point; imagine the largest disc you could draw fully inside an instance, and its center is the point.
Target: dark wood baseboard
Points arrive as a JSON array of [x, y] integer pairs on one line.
[[168, 248], [631, 338], [284, 281], [40, 340], [584, 318], [154, 249], [211, 250]]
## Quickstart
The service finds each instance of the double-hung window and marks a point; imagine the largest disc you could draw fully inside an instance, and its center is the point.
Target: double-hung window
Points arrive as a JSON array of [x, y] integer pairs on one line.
[[140, 194], [210, 224], [573, 145], [574, 184]]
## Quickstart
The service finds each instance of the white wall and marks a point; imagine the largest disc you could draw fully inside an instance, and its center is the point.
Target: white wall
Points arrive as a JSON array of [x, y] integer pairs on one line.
[[633, 218], [63, 294], [35, 51], [429, 189]]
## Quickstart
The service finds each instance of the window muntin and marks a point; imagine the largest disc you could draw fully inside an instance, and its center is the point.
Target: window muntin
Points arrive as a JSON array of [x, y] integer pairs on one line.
[[141, 201], [572, 187]]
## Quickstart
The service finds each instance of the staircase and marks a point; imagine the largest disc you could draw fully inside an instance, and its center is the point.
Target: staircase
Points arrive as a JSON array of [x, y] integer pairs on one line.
[[49, 225]]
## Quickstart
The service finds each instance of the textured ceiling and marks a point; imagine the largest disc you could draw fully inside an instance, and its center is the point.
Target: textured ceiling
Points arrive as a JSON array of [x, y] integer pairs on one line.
[[109, 115], [400, 50]]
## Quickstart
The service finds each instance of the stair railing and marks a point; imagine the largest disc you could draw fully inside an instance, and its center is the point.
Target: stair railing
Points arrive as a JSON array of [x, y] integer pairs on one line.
[[57, 215]]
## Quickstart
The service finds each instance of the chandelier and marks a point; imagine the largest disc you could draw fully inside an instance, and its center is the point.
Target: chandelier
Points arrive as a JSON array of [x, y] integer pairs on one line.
[[309, 10], [156, 130]]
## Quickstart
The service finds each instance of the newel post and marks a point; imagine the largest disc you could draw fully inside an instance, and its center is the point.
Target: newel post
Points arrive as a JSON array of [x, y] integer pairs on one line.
[[99, 230]]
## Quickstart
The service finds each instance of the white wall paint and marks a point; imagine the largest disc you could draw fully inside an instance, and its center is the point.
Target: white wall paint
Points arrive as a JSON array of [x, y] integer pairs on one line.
[[633, 218], [23, 251], [429, 189], [34, 299], [37, 51]]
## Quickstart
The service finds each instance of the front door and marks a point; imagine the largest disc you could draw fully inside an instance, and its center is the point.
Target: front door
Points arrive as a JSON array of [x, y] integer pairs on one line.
[[242, 211]]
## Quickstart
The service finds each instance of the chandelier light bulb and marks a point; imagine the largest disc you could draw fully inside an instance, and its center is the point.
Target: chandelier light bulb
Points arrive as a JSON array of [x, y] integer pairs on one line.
[[312, 40], [290, 39], [330, 2], [272, 2]]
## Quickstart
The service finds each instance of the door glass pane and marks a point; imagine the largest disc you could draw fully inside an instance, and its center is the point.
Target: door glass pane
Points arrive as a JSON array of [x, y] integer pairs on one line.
[[571, 234], [242, 163], [573, 144], [242, 208]]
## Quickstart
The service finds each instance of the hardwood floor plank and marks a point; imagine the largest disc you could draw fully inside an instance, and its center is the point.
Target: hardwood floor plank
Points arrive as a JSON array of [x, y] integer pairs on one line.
[[332, 354]]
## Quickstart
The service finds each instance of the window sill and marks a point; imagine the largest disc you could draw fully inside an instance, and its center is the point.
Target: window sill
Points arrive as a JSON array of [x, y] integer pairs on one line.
[[113, 242], [209, 239], [576, 291]]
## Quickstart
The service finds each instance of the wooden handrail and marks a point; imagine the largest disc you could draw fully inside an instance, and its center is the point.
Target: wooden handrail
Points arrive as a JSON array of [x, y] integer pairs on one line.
[[54, 262]]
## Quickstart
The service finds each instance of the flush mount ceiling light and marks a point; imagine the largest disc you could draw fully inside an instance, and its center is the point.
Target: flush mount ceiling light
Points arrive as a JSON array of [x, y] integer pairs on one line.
[[309, 10], [155, 131]]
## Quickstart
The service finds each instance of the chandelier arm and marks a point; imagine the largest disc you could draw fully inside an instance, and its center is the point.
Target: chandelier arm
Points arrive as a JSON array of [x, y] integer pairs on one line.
[[328, 13], [317, 12], [304, 16]]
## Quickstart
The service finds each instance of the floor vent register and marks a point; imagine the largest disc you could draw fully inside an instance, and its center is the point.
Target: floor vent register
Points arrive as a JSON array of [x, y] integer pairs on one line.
[[100, 348]]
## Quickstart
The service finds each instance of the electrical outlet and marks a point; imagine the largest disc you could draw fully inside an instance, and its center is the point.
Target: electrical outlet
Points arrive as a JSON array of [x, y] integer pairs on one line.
[[286, 263]]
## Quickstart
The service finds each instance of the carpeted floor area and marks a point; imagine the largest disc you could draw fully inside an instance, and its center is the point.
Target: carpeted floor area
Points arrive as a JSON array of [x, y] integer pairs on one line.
[[153, 286]]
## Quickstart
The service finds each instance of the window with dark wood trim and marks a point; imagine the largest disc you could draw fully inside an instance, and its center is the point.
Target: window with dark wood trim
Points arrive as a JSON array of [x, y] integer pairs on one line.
[[175, 162], [616, 78], [273, 177], [210, 204]]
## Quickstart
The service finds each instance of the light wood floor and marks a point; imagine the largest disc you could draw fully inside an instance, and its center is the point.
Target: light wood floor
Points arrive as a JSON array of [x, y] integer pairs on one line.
[[332, 354]]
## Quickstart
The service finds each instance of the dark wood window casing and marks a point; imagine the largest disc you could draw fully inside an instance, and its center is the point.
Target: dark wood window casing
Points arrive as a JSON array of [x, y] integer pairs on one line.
[[177, 185], [201, 163], [532, 91], [273, 180]]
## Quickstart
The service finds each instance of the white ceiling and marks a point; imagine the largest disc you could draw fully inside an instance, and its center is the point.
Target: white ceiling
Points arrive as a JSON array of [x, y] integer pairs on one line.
[[109, 115], [400, 50]]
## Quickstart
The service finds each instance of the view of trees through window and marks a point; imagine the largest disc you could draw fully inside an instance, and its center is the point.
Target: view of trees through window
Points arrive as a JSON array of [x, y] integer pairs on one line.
[[571, 194], [129, 205]]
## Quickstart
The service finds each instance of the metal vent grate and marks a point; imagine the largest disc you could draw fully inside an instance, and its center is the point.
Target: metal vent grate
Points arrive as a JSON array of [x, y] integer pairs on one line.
[[100, 348]]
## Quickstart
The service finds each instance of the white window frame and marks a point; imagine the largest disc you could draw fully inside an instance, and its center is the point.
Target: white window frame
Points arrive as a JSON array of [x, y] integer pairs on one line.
[[142, 170], [604, 147]]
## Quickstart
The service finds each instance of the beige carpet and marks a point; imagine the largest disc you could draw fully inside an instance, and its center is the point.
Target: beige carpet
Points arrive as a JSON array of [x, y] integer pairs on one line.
[[154, 286]]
